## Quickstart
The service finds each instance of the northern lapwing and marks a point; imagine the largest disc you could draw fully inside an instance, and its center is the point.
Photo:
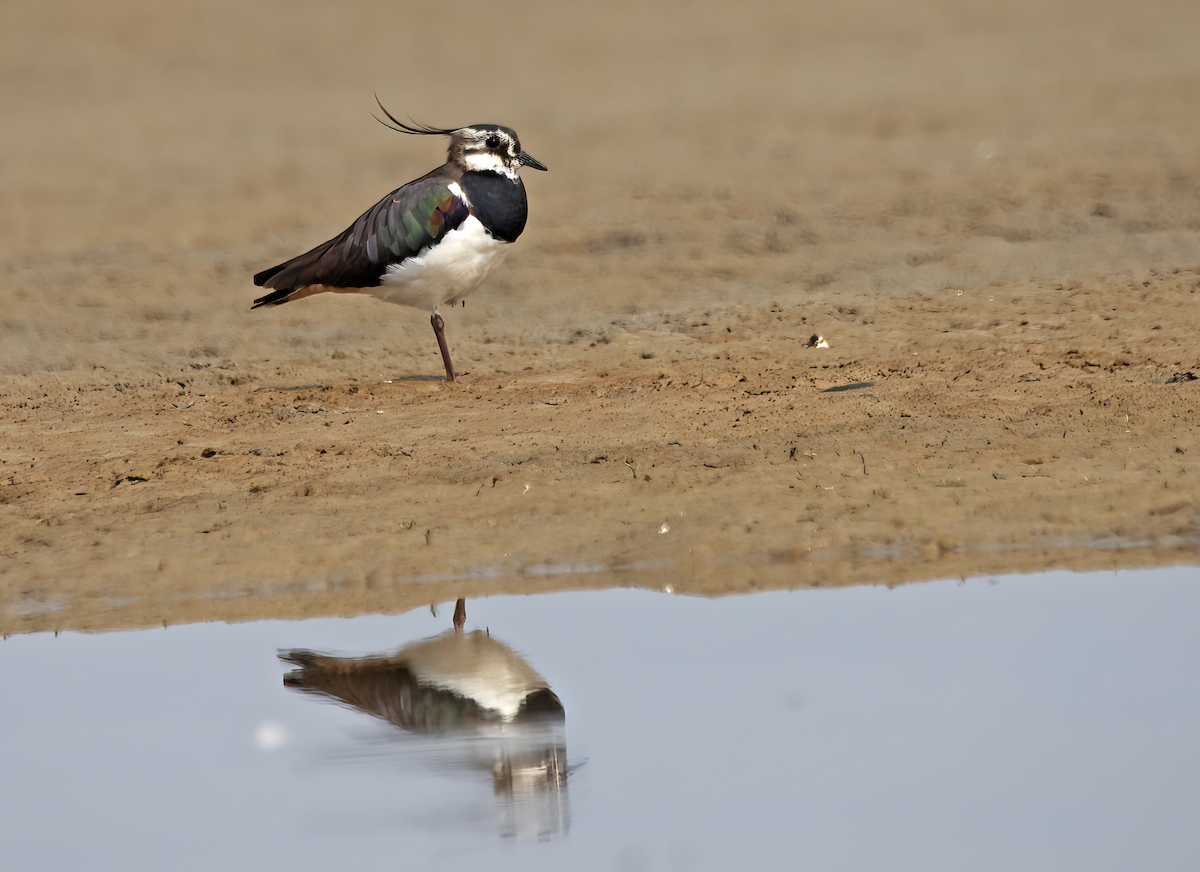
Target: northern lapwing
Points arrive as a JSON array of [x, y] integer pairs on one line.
[[453, 683], [476, 704], [430, 242]]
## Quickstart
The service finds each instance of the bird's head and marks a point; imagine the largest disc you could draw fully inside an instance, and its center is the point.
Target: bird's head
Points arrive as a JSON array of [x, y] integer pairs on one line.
[[478, 148]]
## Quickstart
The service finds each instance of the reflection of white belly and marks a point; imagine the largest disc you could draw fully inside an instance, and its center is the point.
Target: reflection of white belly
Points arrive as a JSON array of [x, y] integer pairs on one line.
[[474, 666], [445, 273]]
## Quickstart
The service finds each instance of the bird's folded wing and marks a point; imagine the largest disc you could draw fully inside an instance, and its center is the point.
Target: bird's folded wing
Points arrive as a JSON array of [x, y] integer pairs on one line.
[[401, 225]]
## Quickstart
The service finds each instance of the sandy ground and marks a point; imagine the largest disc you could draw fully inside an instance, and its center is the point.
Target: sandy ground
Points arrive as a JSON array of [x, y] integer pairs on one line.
[[991, 213]]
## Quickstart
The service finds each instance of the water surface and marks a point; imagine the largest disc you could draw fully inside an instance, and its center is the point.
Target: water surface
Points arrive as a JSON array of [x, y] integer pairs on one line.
[[1038, 722]]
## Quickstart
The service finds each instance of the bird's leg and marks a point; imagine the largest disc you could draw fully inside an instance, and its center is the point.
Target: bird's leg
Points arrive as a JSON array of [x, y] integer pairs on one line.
[[439, 330], [460, 614]]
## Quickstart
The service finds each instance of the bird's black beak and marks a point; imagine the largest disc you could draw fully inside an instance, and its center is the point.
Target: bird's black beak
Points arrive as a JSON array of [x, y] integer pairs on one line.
[[528, 160]]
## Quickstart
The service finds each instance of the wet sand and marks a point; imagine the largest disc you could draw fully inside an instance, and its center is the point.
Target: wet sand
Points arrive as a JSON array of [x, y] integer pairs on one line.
[[991, 215]]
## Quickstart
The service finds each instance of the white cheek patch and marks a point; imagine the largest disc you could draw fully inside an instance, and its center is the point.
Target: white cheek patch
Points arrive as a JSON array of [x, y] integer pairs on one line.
[[487, 162]]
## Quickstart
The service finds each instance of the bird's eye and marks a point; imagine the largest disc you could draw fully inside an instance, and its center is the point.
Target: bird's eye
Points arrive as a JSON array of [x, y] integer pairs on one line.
[[493, 141]]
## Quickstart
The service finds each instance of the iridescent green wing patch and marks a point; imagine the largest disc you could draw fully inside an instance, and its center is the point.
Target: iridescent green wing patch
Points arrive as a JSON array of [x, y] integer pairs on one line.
[[426, 214]]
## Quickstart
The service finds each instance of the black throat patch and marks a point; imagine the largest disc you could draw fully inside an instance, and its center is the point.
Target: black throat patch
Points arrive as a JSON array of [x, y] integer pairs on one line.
[[498, 202]]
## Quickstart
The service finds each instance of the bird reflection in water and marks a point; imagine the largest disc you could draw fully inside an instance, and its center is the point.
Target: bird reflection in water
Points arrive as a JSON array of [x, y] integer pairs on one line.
[[475, 697]]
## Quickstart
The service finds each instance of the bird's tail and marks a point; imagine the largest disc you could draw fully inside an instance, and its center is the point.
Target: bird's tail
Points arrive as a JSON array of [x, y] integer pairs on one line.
[[275, 298]]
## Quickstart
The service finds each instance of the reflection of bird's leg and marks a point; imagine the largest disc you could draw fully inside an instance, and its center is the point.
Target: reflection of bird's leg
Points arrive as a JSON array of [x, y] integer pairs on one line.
[[460, 614], [439, 330]]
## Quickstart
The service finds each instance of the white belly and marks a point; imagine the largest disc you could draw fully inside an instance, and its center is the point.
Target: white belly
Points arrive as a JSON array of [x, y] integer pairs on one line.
[[445, 273]]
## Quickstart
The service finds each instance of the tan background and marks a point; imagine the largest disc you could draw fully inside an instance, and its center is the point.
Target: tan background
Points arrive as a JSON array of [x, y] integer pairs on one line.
[[989, 210]]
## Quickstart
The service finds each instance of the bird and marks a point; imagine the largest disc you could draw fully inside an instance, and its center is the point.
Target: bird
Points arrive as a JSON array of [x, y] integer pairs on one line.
[[476, 704], [457, 682], [430, 242]]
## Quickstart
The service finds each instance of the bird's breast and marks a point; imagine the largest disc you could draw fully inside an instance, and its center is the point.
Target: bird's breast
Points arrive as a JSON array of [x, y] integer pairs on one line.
[[445, 272]]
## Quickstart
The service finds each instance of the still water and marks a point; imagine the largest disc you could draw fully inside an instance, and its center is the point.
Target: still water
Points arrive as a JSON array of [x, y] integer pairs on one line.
[[1037, 722]]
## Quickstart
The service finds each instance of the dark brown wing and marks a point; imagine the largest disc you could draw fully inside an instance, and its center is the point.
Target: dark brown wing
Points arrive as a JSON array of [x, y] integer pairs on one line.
[[401, 225]]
